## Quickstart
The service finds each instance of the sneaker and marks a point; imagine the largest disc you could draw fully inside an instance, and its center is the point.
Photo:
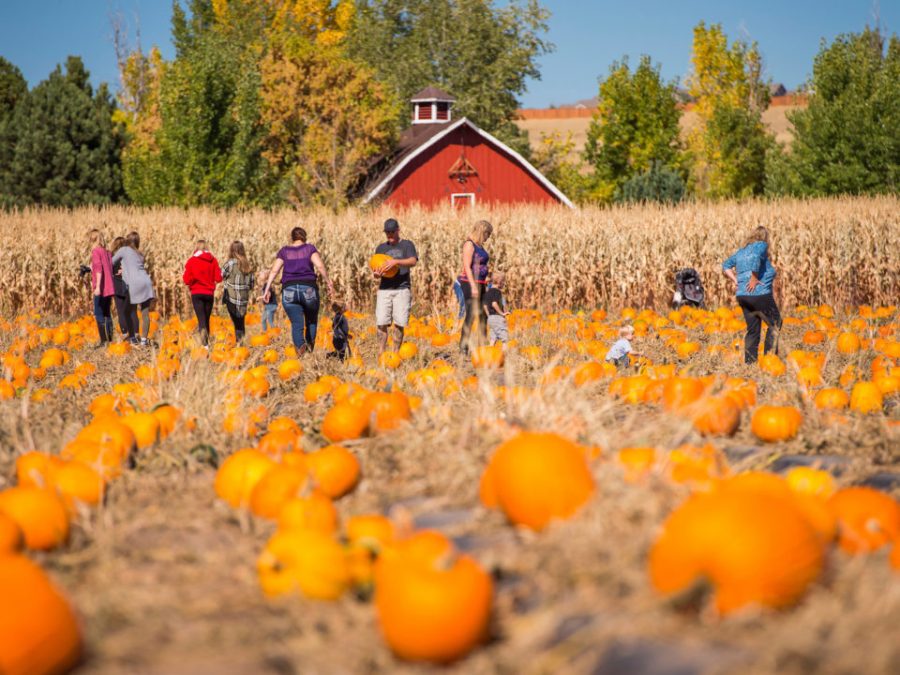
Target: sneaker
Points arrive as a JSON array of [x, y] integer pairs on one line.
[[135, 341]]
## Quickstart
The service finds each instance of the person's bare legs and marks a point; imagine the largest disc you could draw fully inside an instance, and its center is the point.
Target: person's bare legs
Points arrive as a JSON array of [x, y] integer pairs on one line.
[[382, 339], [398, 337]]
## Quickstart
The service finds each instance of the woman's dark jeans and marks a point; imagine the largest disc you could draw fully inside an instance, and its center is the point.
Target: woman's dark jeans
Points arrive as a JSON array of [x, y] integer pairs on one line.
[[759, 308], [473, 308], [128, 321], [301, 304], [203, 308], [236, 318], [103, 316]]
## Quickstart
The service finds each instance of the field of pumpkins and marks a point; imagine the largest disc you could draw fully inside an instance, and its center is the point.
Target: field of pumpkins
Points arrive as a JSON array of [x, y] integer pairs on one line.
[[174, 509]]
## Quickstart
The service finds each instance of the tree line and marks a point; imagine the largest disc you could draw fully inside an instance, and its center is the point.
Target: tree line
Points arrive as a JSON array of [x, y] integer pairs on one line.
[[293, 101]]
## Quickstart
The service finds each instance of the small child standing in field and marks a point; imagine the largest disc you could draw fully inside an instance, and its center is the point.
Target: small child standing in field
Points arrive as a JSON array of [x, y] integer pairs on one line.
[[340, 331], [269, 309], [495, 308], [619, 352]]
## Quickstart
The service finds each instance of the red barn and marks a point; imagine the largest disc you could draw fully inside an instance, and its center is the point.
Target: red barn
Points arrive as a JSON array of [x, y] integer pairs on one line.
[[445, 161]]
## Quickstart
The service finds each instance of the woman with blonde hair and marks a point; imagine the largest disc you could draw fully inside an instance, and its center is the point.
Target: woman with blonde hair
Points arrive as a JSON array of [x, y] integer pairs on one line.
[[101, 285], [473, 280], [237, 274], [753, 274]]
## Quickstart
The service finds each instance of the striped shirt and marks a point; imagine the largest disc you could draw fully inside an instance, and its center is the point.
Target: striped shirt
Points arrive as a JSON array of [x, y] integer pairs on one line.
[[237, 284]]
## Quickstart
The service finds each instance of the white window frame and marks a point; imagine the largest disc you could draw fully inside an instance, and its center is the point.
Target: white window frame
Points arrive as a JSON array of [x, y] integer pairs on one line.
[[470, 196]]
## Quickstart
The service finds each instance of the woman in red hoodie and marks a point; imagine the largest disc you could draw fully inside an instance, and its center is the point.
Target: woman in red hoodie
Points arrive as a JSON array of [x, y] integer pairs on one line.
[[201, 274]]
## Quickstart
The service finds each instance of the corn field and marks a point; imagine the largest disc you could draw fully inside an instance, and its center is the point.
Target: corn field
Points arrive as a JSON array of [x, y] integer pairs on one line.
[[841, 251]]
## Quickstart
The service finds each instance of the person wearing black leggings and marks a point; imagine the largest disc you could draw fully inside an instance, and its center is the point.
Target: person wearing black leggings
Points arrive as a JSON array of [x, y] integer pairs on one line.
[[202, 274], [753, 274], [237, 274]]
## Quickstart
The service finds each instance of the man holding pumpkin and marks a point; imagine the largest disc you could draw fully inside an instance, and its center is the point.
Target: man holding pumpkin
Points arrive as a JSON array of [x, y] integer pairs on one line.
[[394, 297]]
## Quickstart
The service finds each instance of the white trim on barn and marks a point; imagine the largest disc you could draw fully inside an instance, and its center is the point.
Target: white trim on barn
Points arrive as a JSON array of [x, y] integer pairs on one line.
[[468, 196], [450, 128]]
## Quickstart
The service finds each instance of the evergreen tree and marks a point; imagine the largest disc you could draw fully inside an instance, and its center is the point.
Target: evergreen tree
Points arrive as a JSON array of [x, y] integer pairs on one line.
[[635, 127], [13, 87], [847, 140], [63, 147], [480, 54]]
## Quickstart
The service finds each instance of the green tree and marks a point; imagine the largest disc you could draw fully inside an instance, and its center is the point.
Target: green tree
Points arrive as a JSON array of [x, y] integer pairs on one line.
[[556, 159], [482, 54], [847, 140], [635, 127], [660, 183], [729, 145], [63, 146], [13, 87]]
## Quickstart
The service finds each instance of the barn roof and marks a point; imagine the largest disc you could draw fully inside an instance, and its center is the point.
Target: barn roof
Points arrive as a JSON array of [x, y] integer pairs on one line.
[[418, 138], [432, 94]]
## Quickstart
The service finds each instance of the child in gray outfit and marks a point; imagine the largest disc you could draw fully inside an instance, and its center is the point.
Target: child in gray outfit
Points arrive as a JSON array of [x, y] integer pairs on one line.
[[495, 308]]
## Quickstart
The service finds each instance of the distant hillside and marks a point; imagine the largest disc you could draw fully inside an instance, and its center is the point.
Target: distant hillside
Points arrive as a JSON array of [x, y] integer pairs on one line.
[[538, 121]]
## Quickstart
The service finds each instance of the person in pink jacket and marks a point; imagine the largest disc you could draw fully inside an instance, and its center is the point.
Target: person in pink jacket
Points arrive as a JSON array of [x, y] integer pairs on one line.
[[102, 285]]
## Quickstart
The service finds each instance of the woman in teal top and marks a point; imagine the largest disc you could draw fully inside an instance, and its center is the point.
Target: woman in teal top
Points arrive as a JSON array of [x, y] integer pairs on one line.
[[753, 274]]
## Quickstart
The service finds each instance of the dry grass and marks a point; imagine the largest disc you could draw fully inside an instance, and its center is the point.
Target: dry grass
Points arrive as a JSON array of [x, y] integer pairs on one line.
[[164, 576], [775, 118], [841, 251]]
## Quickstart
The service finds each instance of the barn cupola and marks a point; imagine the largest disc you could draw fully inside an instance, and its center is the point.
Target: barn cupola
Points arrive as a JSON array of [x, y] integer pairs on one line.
[[432, 106]]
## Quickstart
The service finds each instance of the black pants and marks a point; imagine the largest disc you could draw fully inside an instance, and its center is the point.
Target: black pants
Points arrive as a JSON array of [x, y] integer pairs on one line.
[[236, 318], [759, 308], [473, 308], [127, 315], [203, 308]]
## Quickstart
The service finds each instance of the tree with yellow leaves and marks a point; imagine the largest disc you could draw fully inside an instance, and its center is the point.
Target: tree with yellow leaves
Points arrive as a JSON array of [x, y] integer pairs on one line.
[[729, 145]]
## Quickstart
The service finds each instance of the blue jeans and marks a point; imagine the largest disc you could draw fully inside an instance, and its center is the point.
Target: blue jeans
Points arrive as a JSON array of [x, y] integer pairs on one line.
[[301, 304], [103, 316], [268, 317], [460, 298]]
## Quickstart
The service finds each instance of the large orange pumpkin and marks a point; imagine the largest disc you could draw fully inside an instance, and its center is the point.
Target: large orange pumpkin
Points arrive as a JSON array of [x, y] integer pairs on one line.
[[239, 474], [432, 605], [304, 561], [39, 633], [832, 398], [866, 397], [11, 539], [386, 410], [776, 423], [753, 547], [344, 421], [39, 513], [279, 484], [867, 519], [539, 477], [315, 512], [335, 470], [377, 261], [681, 392], [717, 416]]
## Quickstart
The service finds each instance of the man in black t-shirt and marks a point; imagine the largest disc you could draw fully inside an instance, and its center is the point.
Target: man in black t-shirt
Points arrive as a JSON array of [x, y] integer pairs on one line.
[[495, 308], [394, 295]]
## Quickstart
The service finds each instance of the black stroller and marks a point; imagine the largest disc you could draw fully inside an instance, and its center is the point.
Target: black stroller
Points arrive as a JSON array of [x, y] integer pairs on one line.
[[688, 289]]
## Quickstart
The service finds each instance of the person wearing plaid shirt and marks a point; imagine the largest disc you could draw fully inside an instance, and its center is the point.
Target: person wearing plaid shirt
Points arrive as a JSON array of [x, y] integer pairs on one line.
[[237, 275]]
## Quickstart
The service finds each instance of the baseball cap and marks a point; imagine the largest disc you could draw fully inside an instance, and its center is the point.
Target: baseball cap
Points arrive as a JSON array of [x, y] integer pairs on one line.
[[391, 225]]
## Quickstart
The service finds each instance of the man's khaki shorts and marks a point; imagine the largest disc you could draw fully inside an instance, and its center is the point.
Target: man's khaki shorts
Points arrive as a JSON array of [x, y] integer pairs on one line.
[[392, 307]]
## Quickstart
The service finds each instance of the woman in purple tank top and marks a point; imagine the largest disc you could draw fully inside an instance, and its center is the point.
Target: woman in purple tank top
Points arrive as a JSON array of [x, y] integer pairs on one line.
[[473, 280], [298, 263]]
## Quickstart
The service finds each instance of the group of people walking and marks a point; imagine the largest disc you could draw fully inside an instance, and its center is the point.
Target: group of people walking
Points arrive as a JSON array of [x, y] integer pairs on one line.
[[118, 275]]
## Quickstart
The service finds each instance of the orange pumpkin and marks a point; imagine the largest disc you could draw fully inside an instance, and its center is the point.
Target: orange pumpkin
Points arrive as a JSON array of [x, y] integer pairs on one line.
[[866, 397], [39, 513], [433, 608], [488, 356], [848, 343], [289, 369], [145, 427], [776, 423], [867, 519], [379, 260], [680, 392], [239, 474], [305, 561], [315, 512], [717, 416], [771, 364], [38, 629], [832, 398], [276, 443], [637, 461], [279, 484], [372, 530], [772, 563], [539, 477], [386, 410], [78, 483], [334, 469], [344, 421]]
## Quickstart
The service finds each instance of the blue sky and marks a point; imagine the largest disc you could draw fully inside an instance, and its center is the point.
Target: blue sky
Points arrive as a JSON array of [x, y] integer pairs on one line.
[[588, 34]]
